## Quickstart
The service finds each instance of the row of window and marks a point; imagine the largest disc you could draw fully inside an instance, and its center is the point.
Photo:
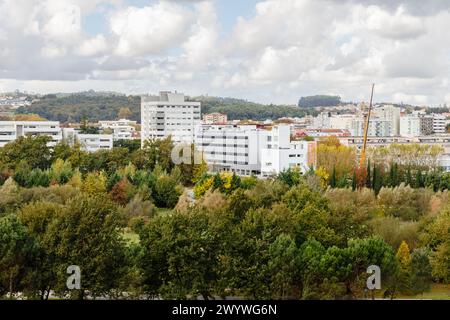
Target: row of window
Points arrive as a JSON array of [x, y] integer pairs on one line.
[[224, 145], [223, 137], [236, 154]]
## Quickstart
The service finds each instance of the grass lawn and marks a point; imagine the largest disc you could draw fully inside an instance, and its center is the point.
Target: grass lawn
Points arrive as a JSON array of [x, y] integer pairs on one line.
[[437, 292], [163, 211]]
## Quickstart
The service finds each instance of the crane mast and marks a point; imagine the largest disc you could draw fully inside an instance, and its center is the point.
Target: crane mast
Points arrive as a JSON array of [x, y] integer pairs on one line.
[[362, 161]]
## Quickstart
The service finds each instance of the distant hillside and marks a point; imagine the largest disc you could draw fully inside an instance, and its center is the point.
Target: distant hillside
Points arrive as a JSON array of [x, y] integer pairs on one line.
[[243, 109], [74, 107], [319, 101], [105, 106]]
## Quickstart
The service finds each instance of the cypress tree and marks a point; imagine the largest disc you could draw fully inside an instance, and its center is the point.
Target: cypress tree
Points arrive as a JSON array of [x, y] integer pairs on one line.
[[409, 177], [377, 180], [354, 182], [333, 178], [368, 177]]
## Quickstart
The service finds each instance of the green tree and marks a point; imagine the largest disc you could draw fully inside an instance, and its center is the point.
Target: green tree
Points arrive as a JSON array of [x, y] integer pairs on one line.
[[37, 217], [17, 248], [282, 266], [32, 150], [86, 234], [405, 272], [421, 271]]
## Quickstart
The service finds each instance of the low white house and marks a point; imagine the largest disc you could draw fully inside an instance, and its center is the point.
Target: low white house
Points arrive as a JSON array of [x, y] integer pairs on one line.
[[11, 130], [88, 142], [123, 129]]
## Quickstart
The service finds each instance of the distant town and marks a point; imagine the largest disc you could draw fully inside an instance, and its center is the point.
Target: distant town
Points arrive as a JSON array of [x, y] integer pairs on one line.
[[243, 146]]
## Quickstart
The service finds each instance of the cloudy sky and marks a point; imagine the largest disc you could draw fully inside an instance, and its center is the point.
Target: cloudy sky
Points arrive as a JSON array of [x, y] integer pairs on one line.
[[261, 50]]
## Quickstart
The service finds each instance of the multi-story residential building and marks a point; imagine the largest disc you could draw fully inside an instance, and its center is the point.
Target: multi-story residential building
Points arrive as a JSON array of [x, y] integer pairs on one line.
[[250, 149], [215, 118], [323, 120], [169, 114], [11, 130], [88, 142], [410, 126], [122, 129], [439, 123], [377, 127], [389, 113], [416, 124]]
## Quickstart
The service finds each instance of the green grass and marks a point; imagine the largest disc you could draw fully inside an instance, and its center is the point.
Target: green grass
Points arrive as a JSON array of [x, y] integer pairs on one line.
[[437, 292], [163, 211]]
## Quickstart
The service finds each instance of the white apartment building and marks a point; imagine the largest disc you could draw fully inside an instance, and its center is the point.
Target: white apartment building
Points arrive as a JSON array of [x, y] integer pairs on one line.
[[88, 142], [410, 126], [123, 129], [169, 114], [247, 149], [325, 120], [389, 113], [418, 123], [377, 128], [439, 124], [11, 130], [343, 121]]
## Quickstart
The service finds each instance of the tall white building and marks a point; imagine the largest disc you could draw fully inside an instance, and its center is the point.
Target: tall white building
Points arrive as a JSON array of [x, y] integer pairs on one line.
[[439, 123], [11, 130], [389, 113], [247, 149], [377, 128], [419, 124], [169, 114]]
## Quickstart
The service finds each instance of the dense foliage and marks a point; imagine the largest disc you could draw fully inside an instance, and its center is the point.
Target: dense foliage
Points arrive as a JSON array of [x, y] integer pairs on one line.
[[319, 101], [237, 109], [140, 226], [76, 107]]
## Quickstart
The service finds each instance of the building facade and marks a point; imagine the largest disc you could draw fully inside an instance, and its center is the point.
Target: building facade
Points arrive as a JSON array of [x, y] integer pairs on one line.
[[249, 149], [215, 118], [88, 142], [122, 129], [169, 114], [11, 130], [377, 128]]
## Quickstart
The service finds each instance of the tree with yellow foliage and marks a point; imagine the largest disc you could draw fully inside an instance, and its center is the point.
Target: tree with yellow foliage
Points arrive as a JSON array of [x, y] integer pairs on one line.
[[95, 183], [405, 272], [333, 156]]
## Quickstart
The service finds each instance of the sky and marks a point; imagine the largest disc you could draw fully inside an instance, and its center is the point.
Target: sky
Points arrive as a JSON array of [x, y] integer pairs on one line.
[[269, 51]]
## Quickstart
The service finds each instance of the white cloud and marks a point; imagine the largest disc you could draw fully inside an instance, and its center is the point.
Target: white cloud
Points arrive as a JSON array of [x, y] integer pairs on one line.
[[149, 30], [286, 49], [93, 46]]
